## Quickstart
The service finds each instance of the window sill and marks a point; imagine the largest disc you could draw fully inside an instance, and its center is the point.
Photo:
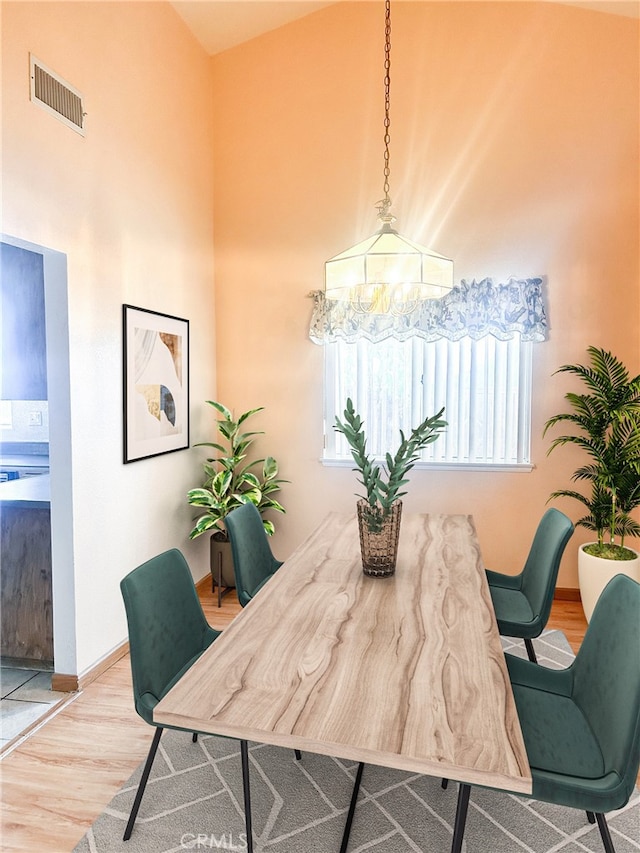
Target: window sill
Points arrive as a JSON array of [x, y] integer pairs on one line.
[[496, 467]]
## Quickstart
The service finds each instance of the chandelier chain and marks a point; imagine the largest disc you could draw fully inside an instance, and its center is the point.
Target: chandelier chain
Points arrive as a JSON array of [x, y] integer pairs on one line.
[[387, 274], [385, 204]]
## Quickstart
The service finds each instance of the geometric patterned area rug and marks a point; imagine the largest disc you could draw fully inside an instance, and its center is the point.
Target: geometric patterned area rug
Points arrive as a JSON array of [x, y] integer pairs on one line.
[[193, 801]]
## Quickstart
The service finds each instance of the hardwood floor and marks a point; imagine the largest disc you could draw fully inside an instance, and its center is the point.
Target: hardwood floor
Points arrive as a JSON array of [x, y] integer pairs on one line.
[[568, 616], [60, 779]]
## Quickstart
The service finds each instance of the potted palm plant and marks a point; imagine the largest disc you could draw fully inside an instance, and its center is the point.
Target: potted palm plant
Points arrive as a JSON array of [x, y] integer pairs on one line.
[[379, 512], [231, 481], [606, 419]]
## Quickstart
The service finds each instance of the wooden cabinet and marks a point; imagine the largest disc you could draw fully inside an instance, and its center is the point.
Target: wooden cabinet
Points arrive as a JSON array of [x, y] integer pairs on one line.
[[25, 583]]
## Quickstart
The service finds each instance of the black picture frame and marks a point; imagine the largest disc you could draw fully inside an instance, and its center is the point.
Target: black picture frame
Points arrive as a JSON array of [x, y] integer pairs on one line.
[[155, 383]]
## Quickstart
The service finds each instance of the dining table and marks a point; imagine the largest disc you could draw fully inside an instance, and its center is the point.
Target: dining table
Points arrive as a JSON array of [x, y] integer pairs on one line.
[[406, 672]]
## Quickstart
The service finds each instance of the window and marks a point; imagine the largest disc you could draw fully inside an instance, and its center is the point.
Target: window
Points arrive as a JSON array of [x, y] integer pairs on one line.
[[484, 385]]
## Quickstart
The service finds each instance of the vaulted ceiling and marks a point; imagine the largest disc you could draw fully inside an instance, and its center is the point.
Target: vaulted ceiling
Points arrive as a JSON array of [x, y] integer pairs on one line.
[[221, 24]]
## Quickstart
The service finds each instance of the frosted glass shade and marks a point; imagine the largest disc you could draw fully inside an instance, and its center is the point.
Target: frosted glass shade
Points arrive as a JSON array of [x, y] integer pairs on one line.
[[387, 270]]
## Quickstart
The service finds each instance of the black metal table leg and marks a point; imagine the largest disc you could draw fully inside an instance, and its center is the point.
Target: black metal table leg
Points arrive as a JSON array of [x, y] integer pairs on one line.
[[461, 817], [244, 754], [352, 808]]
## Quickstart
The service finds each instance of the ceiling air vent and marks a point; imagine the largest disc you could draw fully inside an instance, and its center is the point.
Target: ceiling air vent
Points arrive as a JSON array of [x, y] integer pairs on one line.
[[56, 96]]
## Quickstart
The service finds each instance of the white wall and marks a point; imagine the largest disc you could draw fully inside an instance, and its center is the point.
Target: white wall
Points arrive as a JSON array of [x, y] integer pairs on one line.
[[130, 205], [514, 150]]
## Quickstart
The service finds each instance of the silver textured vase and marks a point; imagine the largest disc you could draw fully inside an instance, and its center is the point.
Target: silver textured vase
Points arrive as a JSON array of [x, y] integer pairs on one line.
[[379, 534]]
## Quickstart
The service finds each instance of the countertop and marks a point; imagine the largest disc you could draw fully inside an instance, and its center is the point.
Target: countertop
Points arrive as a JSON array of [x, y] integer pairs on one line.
[[23, 460], [27, 493]]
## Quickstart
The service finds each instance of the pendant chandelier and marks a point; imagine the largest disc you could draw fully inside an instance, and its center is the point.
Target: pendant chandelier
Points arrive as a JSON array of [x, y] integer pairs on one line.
[[387, 273]]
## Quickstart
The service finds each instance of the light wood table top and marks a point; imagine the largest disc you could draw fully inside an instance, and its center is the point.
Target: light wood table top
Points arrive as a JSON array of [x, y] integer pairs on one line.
[[406, 672]]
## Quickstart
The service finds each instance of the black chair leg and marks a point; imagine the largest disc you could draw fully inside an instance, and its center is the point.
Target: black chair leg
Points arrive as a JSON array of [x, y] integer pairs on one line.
[[591, 817], [244, 755], [604, 833], [445, 784], [531, 651], [352, 809], [194, 737], [461, 817], [143, 784], [298, 755]]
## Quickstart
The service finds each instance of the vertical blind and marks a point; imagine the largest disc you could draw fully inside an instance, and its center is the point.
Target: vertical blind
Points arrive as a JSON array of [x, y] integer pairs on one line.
[[484, 385], [470, 351]]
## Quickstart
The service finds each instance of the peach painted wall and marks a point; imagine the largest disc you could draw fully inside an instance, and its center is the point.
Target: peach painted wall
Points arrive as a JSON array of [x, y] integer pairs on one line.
[[514, 150], [131, 205]]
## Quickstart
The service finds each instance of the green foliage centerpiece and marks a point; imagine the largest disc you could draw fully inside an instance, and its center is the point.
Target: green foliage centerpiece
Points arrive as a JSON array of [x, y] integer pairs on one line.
[[379, 512]]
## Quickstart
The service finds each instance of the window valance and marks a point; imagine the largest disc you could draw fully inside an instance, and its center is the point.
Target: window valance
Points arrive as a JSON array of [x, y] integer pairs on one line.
[[472, 309]]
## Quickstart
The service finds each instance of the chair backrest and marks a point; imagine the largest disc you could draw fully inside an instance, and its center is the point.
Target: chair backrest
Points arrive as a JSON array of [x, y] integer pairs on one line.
[[253, 561], [167, 627], [540, 572], [606, 677]]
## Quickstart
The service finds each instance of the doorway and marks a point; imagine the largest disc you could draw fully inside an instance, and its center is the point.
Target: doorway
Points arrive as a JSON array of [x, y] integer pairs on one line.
[[56, 322]]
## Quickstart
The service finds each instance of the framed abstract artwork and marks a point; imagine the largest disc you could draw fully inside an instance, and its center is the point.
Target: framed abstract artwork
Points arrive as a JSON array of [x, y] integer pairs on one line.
[[156, 383]]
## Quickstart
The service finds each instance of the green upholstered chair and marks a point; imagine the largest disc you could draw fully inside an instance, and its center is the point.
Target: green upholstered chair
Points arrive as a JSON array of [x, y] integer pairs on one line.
[[522, 603], [581, 725], [253, 562], [168, 632]]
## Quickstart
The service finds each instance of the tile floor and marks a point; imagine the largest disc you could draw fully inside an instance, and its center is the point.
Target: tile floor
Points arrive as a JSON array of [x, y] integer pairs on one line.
[[26, 697]]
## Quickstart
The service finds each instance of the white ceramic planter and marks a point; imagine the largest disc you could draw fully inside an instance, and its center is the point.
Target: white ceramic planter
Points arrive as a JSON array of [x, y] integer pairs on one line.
[[594, 574]]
